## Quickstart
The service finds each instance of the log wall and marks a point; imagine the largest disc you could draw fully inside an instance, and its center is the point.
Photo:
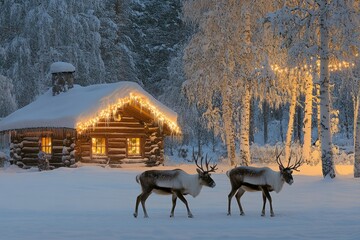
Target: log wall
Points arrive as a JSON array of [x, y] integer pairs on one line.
[[116, 134], [69, 147], [26, 145]]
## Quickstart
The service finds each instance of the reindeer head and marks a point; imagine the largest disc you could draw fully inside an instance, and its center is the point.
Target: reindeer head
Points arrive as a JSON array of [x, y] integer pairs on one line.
[[286, 172], [204, 175]]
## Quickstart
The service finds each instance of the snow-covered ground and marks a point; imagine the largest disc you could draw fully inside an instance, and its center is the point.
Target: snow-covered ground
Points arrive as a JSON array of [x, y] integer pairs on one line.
[[98, 203]]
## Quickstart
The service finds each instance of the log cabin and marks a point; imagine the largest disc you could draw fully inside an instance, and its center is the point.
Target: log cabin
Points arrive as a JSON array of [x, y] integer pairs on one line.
[[107, 124]]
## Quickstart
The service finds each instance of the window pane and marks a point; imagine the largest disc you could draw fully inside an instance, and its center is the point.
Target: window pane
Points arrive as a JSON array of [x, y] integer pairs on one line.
[[98, 146], [133, 146], [46, 145]]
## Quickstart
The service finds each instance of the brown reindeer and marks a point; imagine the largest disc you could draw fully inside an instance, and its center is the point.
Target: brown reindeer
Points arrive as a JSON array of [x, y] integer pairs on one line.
[[263, 179], [174, 182]]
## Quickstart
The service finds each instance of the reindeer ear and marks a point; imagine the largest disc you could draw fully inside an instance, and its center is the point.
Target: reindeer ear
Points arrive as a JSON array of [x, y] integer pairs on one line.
[[281, 168], [199, 171]]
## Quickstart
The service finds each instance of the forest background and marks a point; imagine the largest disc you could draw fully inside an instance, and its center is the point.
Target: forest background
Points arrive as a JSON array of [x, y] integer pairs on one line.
[[238, 73]]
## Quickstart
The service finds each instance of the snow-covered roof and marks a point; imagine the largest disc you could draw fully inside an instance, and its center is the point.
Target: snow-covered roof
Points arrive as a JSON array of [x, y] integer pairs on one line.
[[83, 105], [58, 67]]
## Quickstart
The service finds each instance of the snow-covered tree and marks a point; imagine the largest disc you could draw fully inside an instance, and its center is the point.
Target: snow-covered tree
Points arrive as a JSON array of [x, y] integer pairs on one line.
[[226, 48], [7, 98], [312, 31], [91, 34]]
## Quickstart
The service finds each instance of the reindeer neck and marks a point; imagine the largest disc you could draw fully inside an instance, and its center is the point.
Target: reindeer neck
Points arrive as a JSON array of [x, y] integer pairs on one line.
[[192, 184], [279, 182]]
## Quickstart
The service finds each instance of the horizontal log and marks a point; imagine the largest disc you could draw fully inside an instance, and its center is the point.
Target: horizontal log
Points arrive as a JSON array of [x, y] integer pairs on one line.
[[30, 149], [32, 139], [114, 134], [135, 123], [114, 139], [117, 157], [117, 144], [30, 144], [112, 151], [117, 130], [89, 160], [57, 142], [138, 160], [31, 155]]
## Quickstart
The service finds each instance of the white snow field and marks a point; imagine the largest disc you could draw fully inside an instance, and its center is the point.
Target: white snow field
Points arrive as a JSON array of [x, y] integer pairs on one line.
[[98, 203]]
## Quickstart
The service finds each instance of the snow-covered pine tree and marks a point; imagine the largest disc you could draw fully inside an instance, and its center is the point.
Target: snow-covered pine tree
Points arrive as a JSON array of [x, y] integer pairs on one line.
[[7, 98]]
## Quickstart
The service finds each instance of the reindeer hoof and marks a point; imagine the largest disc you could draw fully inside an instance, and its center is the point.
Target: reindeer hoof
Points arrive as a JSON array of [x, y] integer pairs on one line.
[[229, 214], [135, 215], [263, 214], [190, 216], [242, 214], [272, 215]]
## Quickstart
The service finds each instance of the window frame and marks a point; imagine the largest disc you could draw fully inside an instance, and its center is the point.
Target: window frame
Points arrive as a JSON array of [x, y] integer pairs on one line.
[[46, 144], [102, 146], [137, 145]]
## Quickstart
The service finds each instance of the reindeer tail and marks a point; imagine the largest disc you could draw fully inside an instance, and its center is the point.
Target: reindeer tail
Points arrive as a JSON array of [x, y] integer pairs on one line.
[[137, 178]]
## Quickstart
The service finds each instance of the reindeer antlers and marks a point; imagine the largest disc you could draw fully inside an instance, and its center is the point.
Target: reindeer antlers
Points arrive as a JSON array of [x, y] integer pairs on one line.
[[295, 166], [212, 168]]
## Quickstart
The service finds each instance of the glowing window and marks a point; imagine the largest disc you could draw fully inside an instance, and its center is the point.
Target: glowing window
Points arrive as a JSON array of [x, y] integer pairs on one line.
[[133, 145], [46, 145], [98, 146]]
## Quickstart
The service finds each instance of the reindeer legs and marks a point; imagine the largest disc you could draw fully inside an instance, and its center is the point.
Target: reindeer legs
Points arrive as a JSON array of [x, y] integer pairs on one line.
[[174, 197], [238, 196], [142, 198], [182, 198], [266, 195], [231, 194]]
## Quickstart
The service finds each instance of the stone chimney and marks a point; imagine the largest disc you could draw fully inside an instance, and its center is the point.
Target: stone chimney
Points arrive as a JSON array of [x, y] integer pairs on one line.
[[62, 77]]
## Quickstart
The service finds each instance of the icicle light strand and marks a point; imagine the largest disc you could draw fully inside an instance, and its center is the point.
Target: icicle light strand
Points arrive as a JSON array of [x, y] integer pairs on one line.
[[134, 99], [332, 67]]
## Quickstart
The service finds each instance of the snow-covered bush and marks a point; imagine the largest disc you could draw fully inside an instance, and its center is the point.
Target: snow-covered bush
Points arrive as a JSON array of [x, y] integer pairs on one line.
[[3, 159]]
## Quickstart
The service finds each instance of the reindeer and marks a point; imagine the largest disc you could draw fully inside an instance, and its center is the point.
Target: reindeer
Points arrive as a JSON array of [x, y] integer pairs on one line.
[[174, 182], [263, 179]]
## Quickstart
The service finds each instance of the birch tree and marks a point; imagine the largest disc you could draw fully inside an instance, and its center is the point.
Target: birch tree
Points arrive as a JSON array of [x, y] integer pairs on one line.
[[209, 59], [324, 20]]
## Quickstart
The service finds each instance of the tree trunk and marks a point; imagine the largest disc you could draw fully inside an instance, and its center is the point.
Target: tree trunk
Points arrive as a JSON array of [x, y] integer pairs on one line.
[[266, 120], [318, 115], [228, 115], [306, 150], [356, 138], [244, 128], [326, 136], [252, 123], [245, 101], [290, 129]]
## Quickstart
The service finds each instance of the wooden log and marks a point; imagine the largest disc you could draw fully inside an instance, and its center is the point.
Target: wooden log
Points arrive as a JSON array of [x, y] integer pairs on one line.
[[117, 144], [115, 134], [119, 130], [112, 151], [30, 149], [57, 142], [30, 144], [114, 139], [31, 155], [32, 139]]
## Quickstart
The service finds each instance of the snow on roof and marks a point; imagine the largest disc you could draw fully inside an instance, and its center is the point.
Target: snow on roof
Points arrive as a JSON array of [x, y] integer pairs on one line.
[[79, 105], [58, 67]]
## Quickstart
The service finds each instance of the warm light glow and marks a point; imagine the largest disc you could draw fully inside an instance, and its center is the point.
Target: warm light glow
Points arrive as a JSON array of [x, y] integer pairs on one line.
[[133, 100], [46, 145], [133, 145], [332, 68], [98, 146]]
